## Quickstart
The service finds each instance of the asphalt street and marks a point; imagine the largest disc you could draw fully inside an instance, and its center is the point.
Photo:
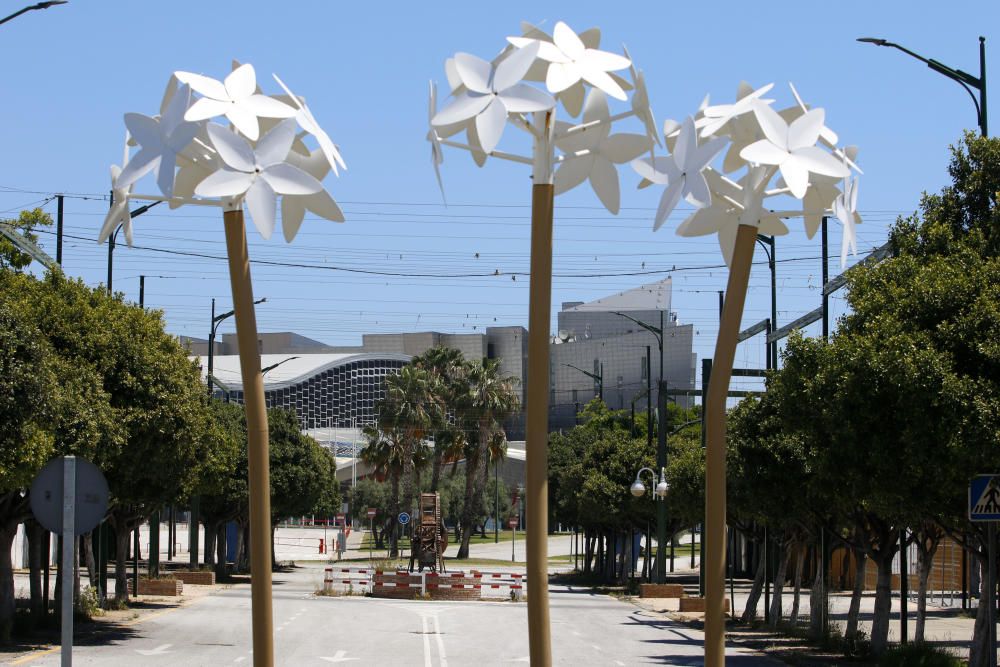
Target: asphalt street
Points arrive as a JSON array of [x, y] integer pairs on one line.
[[587, 629]]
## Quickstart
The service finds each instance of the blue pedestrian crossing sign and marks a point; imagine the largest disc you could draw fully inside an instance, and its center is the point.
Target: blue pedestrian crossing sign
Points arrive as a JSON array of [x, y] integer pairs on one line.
[[984, 498], [404, 518]]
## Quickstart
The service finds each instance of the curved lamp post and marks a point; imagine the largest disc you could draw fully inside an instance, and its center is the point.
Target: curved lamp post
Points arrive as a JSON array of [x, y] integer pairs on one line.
[[198, 162], [486, 97], [660, 489], [963, 79], [768, 153]]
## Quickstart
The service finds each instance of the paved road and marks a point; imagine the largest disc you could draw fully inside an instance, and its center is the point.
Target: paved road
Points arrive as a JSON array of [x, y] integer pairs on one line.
[[587, 629]]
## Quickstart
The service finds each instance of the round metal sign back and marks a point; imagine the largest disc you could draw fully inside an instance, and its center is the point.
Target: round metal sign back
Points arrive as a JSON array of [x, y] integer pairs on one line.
[[91, 496], [404, 518]]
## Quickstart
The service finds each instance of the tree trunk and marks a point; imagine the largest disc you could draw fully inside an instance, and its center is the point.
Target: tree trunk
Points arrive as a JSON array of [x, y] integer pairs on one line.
[[122, 535], [8, 529], [211, 528], [274, 561], [468, 506], [588, 552], [800, 558], [240, 564], [394, 503], [859, 588], [220, 550], [928, 537], [779, 585], [436, 465], [979, 649], [883, 604], [750, 610], [88, 557], [35, 534]]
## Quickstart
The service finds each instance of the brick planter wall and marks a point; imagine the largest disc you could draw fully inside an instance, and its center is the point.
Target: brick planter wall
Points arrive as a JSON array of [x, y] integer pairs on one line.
[[697, 605], [406, 586], [199, 577], [661, 590], [158, 586]]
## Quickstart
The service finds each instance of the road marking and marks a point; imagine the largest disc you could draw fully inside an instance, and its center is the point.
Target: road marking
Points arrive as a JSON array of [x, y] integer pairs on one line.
[[620, 663], [339, 656], [35, 656], [595, 647], [440, 640], [239, 659], [159, 650], [427, 642]]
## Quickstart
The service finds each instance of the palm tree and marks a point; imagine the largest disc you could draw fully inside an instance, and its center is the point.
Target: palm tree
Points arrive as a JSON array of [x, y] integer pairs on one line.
[[386, 453], [490, 400], [449, 368], [410, 408]]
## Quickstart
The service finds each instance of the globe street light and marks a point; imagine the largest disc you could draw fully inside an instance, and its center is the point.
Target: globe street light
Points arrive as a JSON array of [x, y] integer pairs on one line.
[[661, 488], [964, 79]]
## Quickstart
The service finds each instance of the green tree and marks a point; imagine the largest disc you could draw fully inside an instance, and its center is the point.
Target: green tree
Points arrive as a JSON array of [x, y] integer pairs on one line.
[[12, 257], [449, 372]]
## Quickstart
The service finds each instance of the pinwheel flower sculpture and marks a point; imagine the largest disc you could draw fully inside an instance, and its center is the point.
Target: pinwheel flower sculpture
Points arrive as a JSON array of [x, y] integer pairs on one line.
[[774, 154], [486, 97], [265, 156]]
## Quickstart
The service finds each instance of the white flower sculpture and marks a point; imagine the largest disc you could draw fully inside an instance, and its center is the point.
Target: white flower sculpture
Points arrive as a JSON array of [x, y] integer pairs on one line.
[[201, 162], [786, 153], [486, 96]]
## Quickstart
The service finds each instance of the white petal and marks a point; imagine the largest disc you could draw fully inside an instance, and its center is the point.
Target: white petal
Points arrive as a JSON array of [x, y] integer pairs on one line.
[[244, 120], [206, 108], [261, 204], [462, 108], [705, 154], [512, 69], [490, 124], [764, 152], [268, 107], [141, 164], [668, 202], [522, 98], [572, 98], [572, 173], [273, 147], [561, 76], [705, 221], [686, 143], [207, 86], [727, 242], [293, 210], [621, 148], [111, 220], [804, 130], [591, 37], [773, 125], [696, 189], [604, 180], [241, 82], [604, 81], [567, 41], [233, 149], [224, 183], [596, 108], [818, 161], [796, 176], [165, 173], [290, 180], [474, 72], [173, 116], [653, 169], [145, 130], [323, 205], [329, 150], [604, 60]]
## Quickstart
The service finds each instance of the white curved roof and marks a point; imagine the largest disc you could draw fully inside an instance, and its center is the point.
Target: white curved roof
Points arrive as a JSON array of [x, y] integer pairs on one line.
[[289, 369]]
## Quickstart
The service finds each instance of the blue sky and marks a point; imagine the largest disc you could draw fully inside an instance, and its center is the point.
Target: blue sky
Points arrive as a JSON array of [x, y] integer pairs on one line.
[[70, 72]]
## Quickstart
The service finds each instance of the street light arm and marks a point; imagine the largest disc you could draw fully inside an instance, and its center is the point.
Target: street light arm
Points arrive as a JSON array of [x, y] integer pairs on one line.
[[40, 5], [587, 373], [217, 320], [656, 331]]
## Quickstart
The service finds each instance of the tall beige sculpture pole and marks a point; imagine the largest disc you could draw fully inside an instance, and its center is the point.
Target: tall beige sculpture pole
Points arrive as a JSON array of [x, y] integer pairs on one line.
[[734, 209], [257, 438], [488, 96], [201, 163]]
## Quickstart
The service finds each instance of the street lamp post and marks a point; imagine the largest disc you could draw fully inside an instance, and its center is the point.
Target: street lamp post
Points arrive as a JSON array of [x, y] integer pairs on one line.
[[660, 493], [40, 5], [597, 377], [216, 321], [661, 446], [963, 79], [112, 239]]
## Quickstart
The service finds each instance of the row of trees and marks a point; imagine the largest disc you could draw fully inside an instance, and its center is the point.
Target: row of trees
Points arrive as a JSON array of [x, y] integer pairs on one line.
[[462, 405], [85, 373], [879, 431]]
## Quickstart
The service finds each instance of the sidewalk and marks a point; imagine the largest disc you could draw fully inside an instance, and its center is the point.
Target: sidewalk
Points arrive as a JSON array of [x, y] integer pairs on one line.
[[947, 626]]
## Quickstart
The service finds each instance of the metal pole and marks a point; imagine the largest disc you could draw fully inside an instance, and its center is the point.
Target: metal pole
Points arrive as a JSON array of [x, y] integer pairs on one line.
[[142, 291], [47, 548], [826, 278], [706, 379], [59, 228], [111, 255], [257, 434], [193, 533], [649, 400], [990, 588], [965, 578], [661, 504], [982, 87], [774, 303], [135, 562], [715, 451], [767, 580], [496, 501], [902, 585], [211, 349], [67, 566]]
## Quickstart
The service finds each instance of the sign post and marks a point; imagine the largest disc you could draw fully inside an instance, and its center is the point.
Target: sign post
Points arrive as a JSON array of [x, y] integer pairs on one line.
[[371, 538], [68, 496], [512, 522], [984, 506]]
